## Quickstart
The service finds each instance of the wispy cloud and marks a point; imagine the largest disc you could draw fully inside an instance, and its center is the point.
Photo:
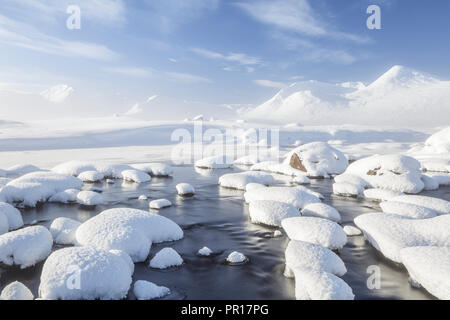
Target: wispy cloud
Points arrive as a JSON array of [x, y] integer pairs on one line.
[[187, 78], [240, 58], [129, 71], [270, 84]]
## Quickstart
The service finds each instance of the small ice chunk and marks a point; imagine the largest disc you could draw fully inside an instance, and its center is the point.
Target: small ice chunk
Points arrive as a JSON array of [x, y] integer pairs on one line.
[[13, 216], [270, 212], [66, 196], [166, 258], [91, 176], [205, 251], [160, 204], [277, 234], [185, 189], [63, 230], [143, 197], [89, 198], [407, 210], [352, 231], [145, 290], [381, 194], [315, 230], [236, 258], [16, 291], [135, 176], [321, 210]]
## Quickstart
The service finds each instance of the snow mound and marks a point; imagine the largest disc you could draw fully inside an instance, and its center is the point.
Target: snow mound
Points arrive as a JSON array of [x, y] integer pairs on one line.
[[315, 230], [143, 197], [347, 189], [276, 167], [438, 143], [84, 273], [185, 189], [89, 198], [19, 170], [74, 168], [438, 205], [25, 247], [160, 204], [66, 196], [240, 180], [381, 194], [63, 230], [130, 230], [16, 291], [389, 234], [13, 216], [236, 258], [145, 290], [301, 180], [321, 286], [166, 258], [154, 169], [309, 257], [393, 172], [429, 266], [317, 159], [135, 176], [298, 196], [270, 212], [251, 159], [351, 231], [321, 210], [254, 186], [37, 187], [407, 210], [205, 251], [215, 162], [91, 176]]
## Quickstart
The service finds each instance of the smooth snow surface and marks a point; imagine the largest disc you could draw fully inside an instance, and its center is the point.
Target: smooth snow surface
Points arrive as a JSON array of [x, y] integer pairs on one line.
[[321, 210], [166, 258], [160, 204], [298, 196], [438, 205], [240, 180], [351, 231], [270, 212], [145, 290], [185, 189], [381, 194], [91, 176], [89, 198], [407, 210], [321, 286]]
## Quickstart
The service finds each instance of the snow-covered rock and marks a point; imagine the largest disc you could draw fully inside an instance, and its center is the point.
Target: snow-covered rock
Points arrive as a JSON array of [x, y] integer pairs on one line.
[[166, 258], [430, 183], [301, 180], [37, 187], [236, 257], [240, 180], [89, 198], [154, 169], [25, 247], [347, 189], [276, 167], [135, 176], [251, 159], [142, 197], [74, 168], [91, 176], [321, 210], [215, 162], [160, 204], [298, 196], [130, 230], [430, 267], [4, 225], [439, 205], [13, 216], [84, 273], [310, 257], [381, 194], [145, 290], [389, 234], [63, 230], [19, 170], [317, 159], [407, 210], [321, 286], [254, 186], [185, 189], [205, 251], [16, 291], [438, 143], [315, 230], [66, 196], [352, 231], [270, 212]]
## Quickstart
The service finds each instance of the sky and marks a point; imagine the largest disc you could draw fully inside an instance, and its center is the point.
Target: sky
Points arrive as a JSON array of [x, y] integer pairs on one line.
[[162, 59]]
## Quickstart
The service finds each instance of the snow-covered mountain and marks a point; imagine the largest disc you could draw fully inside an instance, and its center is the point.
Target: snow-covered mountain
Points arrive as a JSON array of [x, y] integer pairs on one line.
[[401, 96]]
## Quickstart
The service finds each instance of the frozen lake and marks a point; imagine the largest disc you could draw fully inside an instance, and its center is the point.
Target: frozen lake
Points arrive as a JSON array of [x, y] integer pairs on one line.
[[218, 218]]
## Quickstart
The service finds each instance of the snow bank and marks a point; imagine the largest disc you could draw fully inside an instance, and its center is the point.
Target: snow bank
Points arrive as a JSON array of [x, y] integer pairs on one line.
[[16, 291], [84, 273], [154, 169], [25, 247], [236, 258], [321, 286], [407, 210], [145, 290], [317, 159], [271, 212], [135, 176], [315, 230], [130, 230], [381, 194], [321, 210], [66, 196], [166, 258], [298, 196], [391, 233], [352, 231], [63, 230], [37, 187], [89, 198], [205, 251], [309, 257], [240, 180], [160, 204], [215, 162], [185, 189], [12, 215], [429, 266], [91, 176], [438, 205]]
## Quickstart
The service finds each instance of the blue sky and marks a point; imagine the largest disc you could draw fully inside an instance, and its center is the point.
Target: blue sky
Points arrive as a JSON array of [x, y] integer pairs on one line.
[[198, 55]]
